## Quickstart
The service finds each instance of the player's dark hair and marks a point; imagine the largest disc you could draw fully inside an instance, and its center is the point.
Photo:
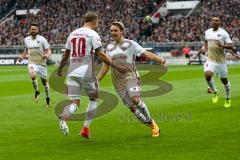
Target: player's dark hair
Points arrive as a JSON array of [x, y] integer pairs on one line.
[[34, 24], [90, 16], [119, 25]]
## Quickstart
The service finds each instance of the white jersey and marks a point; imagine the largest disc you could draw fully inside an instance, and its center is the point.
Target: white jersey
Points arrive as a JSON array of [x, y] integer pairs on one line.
[[215, 53], [124, 54], [36, 49], [82, 44]]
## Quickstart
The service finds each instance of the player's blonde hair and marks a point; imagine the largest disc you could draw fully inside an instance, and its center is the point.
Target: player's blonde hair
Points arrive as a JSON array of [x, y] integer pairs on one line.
[[90, 16], [119, 25]]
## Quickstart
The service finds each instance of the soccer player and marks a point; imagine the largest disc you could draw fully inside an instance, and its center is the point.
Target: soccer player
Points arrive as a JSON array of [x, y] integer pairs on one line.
[[127, 85], [216, 41], [234, 56], [80, 47], [38, 50]]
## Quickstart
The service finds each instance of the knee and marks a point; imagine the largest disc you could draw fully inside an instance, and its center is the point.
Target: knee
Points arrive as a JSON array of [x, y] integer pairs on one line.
[[135, 100], [93, 96], [44, 82], [132, 109], [208, 77], [33, 76], [224, 81], [76, 101]]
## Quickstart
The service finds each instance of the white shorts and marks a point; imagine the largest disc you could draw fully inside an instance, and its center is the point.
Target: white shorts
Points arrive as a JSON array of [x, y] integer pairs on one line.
[[41, 70], [132, 89], [220, 69], [76, 84]]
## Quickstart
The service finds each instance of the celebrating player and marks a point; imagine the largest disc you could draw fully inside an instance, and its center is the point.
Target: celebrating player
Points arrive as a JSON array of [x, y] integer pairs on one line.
[[80, 47], [216, 41], [38, 50], [123, 52]]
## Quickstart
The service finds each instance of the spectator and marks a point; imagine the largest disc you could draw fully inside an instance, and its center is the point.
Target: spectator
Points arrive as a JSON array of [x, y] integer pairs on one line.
[[186, 52], [57, 20]]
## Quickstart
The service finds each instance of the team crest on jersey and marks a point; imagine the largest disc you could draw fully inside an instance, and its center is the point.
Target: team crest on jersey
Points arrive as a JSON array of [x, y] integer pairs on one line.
[[38, 42], [219, 35], [125, 45], [111, 47], [134, 89]]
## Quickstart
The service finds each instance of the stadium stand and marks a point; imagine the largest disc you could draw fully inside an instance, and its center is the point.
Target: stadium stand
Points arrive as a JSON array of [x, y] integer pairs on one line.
[[59, 18]]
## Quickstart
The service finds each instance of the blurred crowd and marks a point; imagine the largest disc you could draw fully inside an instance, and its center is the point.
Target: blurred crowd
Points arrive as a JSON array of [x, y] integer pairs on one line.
[[6, 6], [57, 18], [191, 29]]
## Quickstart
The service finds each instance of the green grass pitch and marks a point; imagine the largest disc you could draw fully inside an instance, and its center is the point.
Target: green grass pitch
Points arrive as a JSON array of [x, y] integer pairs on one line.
[[192, 127]]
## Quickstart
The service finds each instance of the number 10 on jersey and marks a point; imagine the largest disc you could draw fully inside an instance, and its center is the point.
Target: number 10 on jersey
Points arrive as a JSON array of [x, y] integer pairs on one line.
[[78, 47]]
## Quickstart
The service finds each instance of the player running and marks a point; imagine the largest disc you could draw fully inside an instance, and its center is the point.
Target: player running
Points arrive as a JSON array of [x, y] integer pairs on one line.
[[38, 50], [81, 46], [127, 85], [232, 56], [217, 40]]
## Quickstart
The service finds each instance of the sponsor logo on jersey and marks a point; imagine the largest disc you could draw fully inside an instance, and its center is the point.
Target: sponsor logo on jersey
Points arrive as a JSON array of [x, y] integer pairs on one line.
[[33, 47]]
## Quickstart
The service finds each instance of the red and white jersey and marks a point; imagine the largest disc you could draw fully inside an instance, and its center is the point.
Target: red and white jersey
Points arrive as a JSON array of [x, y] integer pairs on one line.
[[124, 54], [82, 44], [215, 53]]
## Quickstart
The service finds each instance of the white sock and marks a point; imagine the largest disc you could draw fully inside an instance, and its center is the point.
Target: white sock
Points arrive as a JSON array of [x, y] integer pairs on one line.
[[35, 84], [211, 84], [91, 111], [227, 90], [70, 109], [140, 116], [144, 110], [47, 91]]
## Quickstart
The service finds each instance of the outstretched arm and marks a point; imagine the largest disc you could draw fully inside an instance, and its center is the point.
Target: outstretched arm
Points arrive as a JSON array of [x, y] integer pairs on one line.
[[153, 57]]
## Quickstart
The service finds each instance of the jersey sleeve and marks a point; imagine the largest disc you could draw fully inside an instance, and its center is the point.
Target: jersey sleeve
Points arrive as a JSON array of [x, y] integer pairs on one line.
[[227, 38], [96, 41], [68, 43], [138, 50], [45, 43]]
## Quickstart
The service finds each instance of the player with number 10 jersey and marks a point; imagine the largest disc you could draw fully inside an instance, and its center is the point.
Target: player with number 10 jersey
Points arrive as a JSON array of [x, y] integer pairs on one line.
[[82, 43], [81, 46]]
